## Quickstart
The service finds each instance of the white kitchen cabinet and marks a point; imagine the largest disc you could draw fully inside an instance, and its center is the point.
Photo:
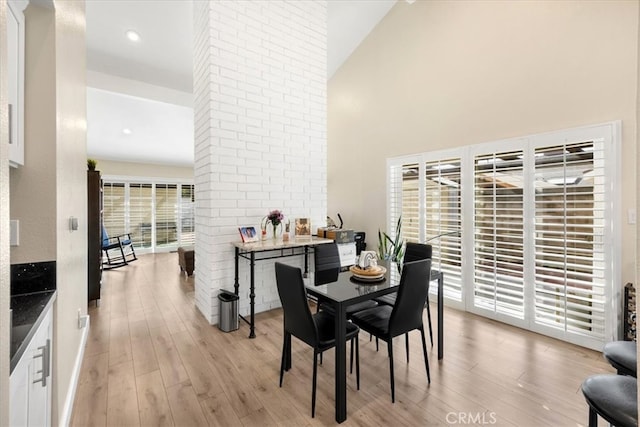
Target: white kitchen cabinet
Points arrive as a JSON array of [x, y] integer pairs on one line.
[[30, 396], [15, 77]]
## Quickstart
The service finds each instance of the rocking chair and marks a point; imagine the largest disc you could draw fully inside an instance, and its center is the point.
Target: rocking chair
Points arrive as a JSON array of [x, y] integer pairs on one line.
[[117, 251]]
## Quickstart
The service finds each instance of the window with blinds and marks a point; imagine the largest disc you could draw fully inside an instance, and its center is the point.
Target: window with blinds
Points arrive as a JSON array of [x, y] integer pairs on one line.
[[525, 230], [187, 215], [443, 221], [499, 233], [158, 215], [569, 226], [166, 219], [141, 214], [113, 208], [426, 195]]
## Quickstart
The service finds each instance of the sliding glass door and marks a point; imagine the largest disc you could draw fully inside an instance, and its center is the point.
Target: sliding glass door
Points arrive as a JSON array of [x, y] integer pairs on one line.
[[158, 215], [520, 228]]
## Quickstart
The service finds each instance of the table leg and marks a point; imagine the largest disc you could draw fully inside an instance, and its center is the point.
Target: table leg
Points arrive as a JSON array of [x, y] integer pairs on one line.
[[252, 296], [236, 281], [341, 363], [440, 315], [306, 261]]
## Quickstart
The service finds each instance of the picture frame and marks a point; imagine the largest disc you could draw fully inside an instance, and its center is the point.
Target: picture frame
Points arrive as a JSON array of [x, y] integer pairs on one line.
[[303, 228], [248, 234]]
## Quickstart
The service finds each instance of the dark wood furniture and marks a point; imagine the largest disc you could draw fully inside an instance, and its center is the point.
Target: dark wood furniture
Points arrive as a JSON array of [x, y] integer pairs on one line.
[[186, 260], [94, 234]]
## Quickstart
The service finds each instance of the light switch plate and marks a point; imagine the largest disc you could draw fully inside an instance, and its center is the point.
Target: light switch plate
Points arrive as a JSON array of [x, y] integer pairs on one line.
[[14, 232], [631, 216]]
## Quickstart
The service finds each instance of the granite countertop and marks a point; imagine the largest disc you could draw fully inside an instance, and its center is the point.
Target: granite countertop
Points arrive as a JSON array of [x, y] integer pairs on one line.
[[28, 310], [33, 291]]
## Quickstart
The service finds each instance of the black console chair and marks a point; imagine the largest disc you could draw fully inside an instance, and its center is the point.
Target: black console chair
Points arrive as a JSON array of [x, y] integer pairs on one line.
[[623, 356], [613, 397], [414, 252], [316, 330], [387, 322]]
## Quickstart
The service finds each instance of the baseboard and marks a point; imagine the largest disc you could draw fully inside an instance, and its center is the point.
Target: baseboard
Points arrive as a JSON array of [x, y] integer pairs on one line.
[[65, 418]]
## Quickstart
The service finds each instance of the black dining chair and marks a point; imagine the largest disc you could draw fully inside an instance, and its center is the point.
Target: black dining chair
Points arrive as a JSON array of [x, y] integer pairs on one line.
[[613, 397], [622, 355], [387, 322], [414, 252], [327, 267], [317, 330]]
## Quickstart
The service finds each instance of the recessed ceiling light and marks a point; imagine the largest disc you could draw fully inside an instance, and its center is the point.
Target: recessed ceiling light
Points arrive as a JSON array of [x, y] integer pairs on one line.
[[133, 36], [126, 131]]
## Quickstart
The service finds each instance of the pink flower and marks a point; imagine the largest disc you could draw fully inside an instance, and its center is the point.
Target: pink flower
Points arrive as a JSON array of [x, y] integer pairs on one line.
[[275, 216]]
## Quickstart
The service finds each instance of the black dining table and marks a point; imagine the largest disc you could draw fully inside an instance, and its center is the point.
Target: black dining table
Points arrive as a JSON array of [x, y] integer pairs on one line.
[[346, 291]]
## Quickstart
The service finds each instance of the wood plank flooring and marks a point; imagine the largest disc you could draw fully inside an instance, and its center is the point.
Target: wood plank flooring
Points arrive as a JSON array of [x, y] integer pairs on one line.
[[153, 360]]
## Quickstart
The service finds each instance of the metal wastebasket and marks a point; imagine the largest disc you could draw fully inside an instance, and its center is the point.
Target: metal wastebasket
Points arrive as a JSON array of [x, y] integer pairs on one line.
[[228, 320]]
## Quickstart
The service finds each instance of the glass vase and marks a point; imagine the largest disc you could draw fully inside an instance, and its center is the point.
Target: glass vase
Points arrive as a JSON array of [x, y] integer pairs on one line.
[[277, 229]]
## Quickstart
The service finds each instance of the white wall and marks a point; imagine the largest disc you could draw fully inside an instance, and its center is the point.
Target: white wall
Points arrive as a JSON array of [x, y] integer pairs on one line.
[[71, 196], [260, 119], [440, 74], [51, 186], [110, 167], [4, 226]]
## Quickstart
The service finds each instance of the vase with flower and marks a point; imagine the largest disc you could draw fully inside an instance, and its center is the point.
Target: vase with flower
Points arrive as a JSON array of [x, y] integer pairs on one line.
[[274, 218]]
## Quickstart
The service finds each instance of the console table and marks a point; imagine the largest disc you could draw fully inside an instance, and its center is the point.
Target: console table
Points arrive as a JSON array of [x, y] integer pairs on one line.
[[269, 249]]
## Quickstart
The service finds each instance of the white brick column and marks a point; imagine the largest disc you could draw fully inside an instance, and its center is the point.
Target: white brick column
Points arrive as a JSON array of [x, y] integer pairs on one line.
[[260, 84]]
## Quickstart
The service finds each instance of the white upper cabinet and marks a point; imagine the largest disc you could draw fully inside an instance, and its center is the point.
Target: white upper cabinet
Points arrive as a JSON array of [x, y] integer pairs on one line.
[[15, 71]]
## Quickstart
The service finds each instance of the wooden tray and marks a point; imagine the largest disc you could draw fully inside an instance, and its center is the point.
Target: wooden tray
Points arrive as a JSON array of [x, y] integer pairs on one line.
[[370, 272]]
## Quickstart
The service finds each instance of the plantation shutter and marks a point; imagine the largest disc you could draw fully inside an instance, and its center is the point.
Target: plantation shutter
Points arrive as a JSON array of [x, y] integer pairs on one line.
[[499, 234], [187, 215], [113, 208], [166, 219], [569, 229], [141, 214], [443, 222], [404, 200]]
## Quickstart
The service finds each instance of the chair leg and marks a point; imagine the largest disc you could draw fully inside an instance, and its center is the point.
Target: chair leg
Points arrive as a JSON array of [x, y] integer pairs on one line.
[[357, 363], [284, 352], [429, 319], [377, 348], [315, 376], [391, 379], [351, 358], [321, 358], [593, 417], [406, 344], [124, 258], [424, 352]]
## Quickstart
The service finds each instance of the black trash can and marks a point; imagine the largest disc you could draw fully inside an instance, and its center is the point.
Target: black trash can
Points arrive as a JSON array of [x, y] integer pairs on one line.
[[228, 311]]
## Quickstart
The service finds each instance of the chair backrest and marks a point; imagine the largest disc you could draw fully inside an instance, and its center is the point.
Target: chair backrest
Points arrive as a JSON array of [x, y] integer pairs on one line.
[[417, 252], [412, 295], [298, 320], [105, 237], [327, 263]]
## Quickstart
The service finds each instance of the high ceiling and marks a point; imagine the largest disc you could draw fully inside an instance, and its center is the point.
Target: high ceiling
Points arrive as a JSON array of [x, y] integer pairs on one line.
[[145, 87]]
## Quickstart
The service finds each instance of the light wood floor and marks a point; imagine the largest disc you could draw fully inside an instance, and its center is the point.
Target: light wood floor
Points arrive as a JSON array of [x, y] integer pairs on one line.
[[152, 359]]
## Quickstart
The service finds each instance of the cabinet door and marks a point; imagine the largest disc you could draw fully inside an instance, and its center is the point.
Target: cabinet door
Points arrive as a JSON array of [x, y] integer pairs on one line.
[[15, 78], [30, 399], [40, 376], [19, 395]]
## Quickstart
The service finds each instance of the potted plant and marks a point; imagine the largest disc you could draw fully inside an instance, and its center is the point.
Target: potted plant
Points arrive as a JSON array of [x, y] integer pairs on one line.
[[91, 164], [391, 249]]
